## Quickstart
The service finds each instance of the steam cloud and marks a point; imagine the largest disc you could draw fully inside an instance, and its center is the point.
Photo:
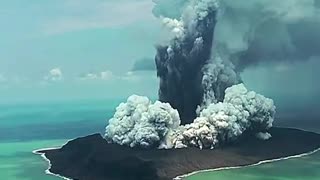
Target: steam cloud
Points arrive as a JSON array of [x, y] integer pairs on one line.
[[225, 121], [202, 99], [141, 123]]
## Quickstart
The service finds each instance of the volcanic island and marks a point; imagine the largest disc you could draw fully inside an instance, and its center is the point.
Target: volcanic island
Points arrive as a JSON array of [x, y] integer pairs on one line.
[[93, 158]]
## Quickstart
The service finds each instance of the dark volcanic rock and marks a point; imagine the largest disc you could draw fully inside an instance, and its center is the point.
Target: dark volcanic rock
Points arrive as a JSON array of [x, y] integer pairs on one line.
[[92, 158]]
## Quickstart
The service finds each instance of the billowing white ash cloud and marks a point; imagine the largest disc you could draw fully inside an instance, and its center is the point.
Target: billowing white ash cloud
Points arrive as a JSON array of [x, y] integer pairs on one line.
[[202, 101], [138, 122], [225, 121], [218, 75]]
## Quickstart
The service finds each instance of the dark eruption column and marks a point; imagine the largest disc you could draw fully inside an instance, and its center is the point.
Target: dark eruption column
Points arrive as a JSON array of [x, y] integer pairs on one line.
[[179, 66], [202, 85]]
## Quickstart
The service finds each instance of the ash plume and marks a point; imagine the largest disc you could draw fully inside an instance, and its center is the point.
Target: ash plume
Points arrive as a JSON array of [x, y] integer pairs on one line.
[[225, 121], [180, 63], [246, 33], [138, 122], [268, 31], [202, 99]]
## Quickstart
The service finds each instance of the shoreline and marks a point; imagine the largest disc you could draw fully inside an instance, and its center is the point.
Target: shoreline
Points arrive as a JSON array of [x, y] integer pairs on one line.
[[47, 171], [180, 177]]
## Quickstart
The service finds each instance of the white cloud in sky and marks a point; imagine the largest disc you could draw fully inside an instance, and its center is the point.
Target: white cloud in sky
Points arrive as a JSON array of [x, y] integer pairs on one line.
[[133, 76], [83, 15], [89, 76], [54, 74], [130, 76], [104, 75]]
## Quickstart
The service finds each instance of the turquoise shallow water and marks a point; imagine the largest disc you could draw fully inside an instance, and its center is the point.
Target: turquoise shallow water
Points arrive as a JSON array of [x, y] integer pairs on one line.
[[306, 168], [18, 162], [24, 128], [27, 127]]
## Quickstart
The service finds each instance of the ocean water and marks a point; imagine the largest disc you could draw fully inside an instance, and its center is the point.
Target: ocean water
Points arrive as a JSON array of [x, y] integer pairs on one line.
[[18, 162], [26, 127], [303, 168]]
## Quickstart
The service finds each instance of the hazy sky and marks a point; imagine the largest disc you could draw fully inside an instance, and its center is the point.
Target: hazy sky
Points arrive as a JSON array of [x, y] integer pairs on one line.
[[80, 49], [73, 39]]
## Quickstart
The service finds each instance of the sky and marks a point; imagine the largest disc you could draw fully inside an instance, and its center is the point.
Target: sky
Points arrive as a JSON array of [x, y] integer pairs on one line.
[[50, 48], [79, 49]]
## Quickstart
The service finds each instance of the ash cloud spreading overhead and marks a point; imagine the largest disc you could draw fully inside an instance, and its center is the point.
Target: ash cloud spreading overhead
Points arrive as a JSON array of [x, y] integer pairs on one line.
[[269, 31], [260, 31], [254, 32]]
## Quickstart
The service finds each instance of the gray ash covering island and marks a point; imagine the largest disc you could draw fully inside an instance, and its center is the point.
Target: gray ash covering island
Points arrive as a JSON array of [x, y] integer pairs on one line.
[[205, 117], [92, 158]]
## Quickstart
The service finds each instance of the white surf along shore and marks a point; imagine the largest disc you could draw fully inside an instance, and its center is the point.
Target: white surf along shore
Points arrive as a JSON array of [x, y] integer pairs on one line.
[[251, 165], [181, 177], [49, 162], [49, 166]]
